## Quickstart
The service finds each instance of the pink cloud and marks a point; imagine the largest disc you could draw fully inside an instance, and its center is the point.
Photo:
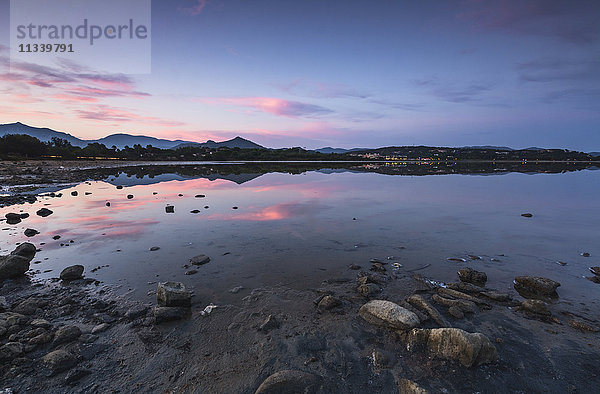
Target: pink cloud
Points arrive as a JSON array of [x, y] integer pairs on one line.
[[271, 105]]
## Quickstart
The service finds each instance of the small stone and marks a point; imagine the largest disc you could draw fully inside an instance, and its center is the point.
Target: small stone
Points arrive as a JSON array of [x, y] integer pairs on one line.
[[470, 275], [154, 248], [199, 196], [170, 209], [191, 272], [581, 326], [56, 237], [66, 334], [456, 312], [74, 193], [73, 272], [354, 267], [595, 270], [328, 302], [119, 187], [387, 314], [585, 254], [100, 328], [536, 306], [41, 339], [59, 360], [30, 232], [43, 323], [236, 289], [11, 350], [108, 203], [527, 215], [200, 259], [44, 212], [369, 289], [136, 311], [129, 196], [172, 294], [406, 386]]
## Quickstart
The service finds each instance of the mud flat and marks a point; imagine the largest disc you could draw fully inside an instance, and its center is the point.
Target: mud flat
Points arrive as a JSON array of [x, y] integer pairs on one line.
[[377, 328]]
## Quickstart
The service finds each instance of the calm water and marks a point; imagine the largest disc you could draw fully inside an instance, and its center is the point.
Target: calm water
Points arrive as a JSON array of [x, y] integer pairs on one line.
[[299, 229]]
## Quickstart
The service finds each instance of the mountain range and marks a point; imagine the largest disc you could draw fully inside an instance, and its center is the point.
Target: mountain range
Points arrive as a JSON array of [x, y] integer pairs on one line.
[[121, 140]]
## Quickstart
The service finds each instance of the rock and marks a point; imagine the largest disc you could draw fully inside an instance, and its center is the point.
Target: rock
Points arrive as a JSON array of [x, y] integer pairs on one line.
[[470, 349], [354, 267], [419, 302], [581, 326], [56, 237], [290, 382], [72, 273], [119, 187], [595, 270], [527, 215], [88, 338], [66, 334], [378, 267], [269, 324], [387, 314], [328, 302], [59, 360], [461, 295], [470, 275], [31, 232], [369, 289], [44, 212], [154, 248], [11, 350], [236, 289], [464, 305], [13, 218], [129, 196], [100, 328], [29, 306], [465, 287], [406, 386], [201, 259], [136, 311], [170, 209], [169, 313], [41, 339], [595, 278], [195, 211], [74, 193], [497, 296], [199, 196], [535, 286], [43, 323], [16, 263], [172, 294], [536, 306], [456, 312], [191, 272], [108, 204], [586, 254]]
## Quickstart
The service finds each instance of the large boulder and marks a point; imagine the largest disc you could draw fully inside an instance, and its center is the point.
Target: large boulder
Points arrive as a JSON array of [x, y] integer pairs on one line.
[[172, 294], [387, 314], [66, 334], [59, 360], [470, 349], [470, 275], [17, 263], [290, 382], [535, 286], [72, 273]]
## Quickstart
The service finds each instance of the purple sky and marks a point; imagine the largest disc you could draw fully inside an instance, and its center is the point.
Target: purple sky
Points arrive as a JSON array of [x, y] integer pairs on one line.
[[337, 73]]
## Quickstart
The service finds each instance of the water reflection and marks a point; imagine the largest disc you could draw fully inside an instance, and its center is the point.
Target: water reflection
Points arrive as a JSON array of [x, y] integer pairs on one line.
[[298, 225]]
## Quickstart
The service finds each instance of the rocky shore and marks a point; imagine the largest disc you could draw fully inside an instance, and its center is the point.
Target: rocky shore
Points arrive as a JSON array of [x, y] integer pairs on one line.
[[372, 329]]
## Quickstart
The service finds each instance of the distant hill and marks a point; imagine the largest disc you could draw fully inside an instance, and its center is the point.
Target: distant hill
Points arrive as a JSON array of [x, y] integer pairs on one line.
[[119, 140], [329, 149], [595, 154], [237, 142], [489, 147]]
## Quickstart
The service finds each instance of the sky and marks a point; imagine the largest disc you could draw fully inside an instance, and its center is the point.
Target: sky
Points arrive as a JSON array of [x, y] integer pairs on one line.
[[317, 73]]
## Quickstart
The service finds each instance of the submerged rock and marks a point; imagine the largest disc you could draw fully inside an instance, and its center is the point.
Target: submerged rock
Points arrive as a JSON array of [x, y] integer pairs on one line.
[[535, 286], [72, 273], [328, 302], [270, 323], [44, 212], [470, 349], [387, 314], [290, 382], [406, 386], [595, 270], [535, 306], [470, 275], [13, 218], [30, 232], [172, 294], [200, 259], [465, 287], [17, 262]]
